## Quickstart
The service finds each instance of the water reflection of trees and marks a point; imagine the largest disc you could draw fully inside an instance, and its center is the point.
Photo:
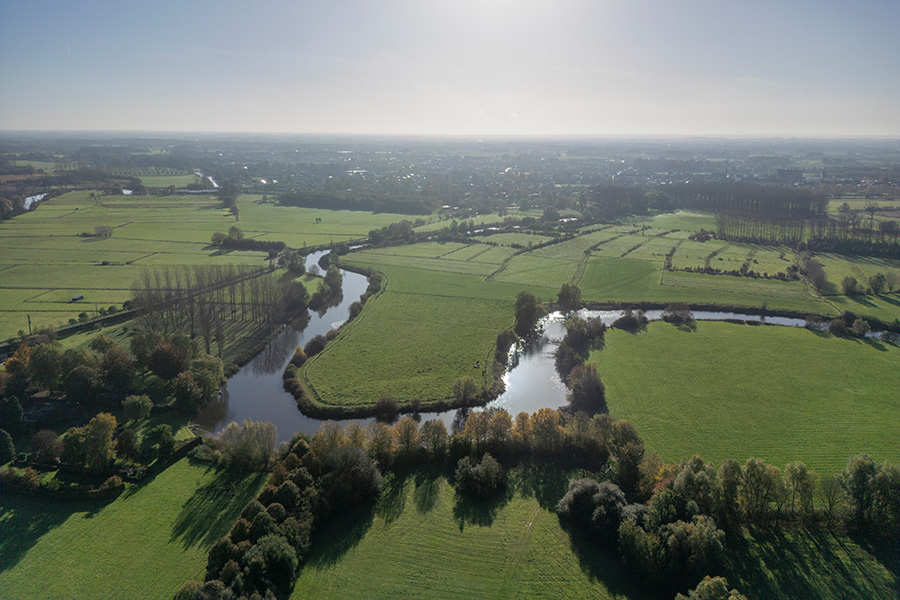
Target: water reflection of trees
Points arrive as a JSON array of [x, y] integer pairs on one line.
[[215, 412], [277, 352], [333, 301]]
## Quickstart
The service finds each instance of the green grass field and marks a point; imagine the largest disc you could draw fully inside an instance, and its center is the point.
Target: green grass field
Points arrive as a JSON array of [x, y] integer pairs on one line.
[[407, 346], [44, 263], [625, 280], [178, 181], [736, 391], [422, 541], [144, 544]]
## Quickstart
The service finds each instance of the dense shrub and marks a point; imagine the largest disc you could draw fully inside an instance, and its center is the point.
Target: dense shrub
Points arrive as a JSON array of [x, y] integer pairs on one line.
[[631, 321], [386, 409], [588, 394], [314, 346], [482, 478], [350, 478], [595, 506], [45, 446], [7, 448], [712, 588], [136, 407], [250, 445], [280, 561]]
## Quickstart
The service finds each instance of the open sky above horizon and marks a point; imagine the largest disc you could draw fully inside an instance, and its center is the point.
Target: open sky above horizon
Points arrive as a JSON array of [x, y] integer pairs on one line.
[[523, 67]]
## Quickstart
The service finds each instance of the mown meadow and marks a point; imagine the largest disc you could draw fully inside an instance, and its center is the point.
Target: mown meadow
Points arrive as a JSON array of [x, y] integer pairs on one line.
[[733, 391], [144, 544], [45, 262]]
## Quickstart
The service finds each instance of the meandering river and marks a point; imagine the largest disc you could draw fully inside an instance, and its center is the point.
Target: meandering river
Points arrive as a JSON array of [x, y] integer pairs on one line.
[[255, 391]]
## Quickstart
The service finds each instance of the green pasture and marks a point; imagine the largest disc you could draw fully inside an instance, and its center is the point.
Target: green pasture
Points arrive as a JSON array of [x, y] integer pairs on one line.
[[422, 250], [626, 243], [528, 269], [48, 167], [494, 255], [409, 346], [522, 239], [44, 262], [446, 284], [425, 264], [685, 221], [471, 252], [178, 181], [435, 223], [625, 280], [861, 204], [736, 391], [838, 266], [422, 540], [574, 249], [886, 307], [144, 544], [653, 249]]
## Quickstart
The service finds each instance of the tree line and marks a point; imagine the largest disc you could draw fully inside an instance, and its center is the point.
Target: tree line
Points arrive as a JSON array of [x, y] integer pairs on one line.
[[671, 523], [199, 299], [371, 202]]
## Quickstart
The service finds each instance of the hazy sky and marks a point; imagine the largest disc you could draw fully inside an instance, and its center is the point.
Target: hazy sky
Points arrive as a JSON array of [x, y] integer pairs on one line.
[[586, 67]]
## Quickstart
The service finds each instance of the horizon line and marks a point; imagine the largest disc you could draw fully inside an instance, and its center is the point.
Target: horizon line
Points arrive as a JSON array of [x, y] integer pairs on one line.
[[585, 136]]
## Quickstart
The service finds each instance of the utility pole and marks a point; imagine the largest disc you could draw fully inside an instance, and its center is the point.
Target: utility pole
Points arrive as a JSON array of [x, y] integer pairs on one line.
[[29, 324]]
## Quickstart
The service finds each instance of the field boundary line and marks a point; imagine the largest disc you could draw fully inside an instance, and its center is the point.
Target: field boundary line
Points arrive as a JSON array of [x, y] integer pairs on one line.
[[582, 263]]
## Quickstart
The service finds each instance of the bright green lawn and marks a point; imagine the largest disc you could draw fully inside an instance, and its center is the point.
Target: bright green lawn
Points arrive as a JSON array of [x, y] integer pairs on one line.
[[406, 346], [142, 545], [736, 391]]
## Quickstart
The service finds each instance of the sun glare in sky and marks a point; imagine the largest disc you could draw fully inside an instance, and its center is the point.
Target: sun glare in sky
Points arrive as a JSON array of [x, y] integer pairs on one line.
[[527, 67]]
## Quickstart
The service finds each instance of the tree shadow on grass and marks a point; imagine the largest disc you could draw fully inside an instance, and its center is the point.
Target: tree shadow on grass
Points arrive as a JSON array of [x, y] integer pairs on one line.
[[885, 551], [603, 563], [24, 520], [469, 510], [392, 500], [889, 299], [428, 488], [336, 536], [873, 343], [545, 482], [802, 565], [864, 300], [209, 514]]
